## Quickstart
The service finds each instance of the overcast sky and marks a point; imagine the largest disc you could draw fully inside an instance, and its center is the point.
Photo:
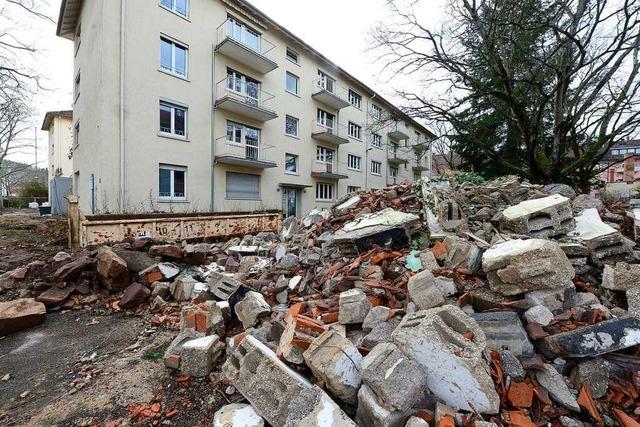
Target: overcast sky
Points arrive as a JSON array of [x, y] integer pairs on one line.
[[337, 28]]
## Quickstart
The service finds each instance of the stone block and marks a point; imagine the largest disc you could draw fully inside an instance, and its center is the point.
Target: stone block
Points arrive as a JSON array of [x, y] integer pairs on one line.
[[554, 383], [462, 253], [198, 356], [622, 277], [237, 415], [166, 251], [518, 266], [134, 295], [251, 308], [448, 344], [372, 413], [110, 266], [553, 299], [396, 379], [423, 291], [299, 332], [540, 218], [20, 314], [172, 355], [380, 333], [353, 307], [196, 254], [503, 331], [71, 270], [428, 260], [376, 316], [593, 374], [280, 395], [633, 301], [539, 314], [55, 295], [336, 361]]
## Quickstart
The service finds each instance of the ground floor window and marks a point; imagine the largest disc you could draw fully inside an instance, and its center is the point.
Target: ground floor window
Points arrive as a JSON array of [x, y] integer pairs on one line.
[[173, 182], [243, 186], [352, 188], [375, 167], [393, 171], [324, 191]]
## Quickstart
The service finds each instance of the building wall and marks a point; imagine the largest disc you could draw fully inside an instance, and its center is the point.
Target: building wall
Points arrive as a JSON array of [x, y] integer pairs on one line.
[[97, 108], [60, 141]]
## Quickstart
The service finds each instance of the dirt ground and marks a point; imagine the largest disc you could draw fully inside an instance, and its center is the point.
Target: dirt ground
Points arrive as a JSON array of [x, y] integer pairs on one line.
[[91, 367]]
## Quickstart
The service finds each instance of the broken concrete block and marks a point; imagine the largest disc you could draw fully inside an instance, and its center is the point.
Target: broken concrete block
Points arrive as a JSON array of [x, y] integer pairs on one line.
[[20, 314], [416, 422], [198, 356], [299, 332], [226, 288], [380, 333], [182, 287], [594, 340], [346, 206], [134, 295], [251, 308], [518, 266], [371, 412], [633, 301], [160, 289], [158, 272], [110, 265], [448, 344], [462, 253], [450, 216], [428, 260], [583, 299], [172, 355], [376, 315], [206, 318], [423, 291], [552, 299], [336, 362], [554, 383], [503, 331], [622, 277], [511, 366], [237, 414], [539, 314], [396, 379], [279, 394], [196, 254], [166, 251], [593, 374], [540, 218], [446, 285], [354, 307]]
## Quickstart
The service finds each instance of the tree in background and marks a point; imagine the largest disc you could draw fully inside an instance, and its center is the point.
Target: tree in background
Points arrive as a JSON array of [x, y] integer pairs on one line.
[[34, 189], [539, 88]]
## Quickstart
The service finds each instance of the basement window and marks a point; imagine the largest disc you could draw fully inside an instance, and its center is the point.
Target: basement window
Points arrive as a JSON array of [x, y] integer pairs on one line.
[[173, 183]]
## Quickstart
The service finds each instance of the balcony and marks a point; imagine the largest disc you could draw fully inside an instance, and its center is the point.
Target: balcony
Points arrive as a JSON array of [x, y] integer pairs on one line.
[[330, 94], [394, 156], [326, 170], [245, 47], [398, 131], [257, 157], [236, 96], [421, 145], [329, 132], [422, 165]]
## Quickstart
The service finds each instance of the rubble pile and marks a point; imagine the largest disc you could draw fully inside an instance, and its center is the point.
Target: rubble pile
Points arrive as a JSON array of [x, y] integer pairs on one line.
[[503, 303]]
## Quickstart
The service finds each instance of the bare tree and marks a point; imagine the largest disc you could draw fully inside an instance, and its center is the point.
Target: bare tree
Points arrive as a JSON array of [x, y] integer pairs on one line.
[[559, 78]]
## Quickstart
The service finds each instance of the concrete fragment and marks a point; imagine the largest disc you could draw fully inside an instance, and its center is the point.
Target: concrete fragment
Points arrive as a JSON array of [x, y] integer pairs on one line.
[[606, 244], [554, 383], [503, 331], [570, 422], [166, 251], [540, 218], [461, 253], [196, 254], [583, 299], [416, 422], [633, 301], [336, 361], [594, 340], [279, 394], [182, 287], [396, 379], [251, 308], [61, 256], [108, 264], [237, 415], [381, 332], [423, 291], [448, 344], [20, 314], [622, 277], [134, 295], [446, 286], [562, 189], [512, 366], [206, 318], [518, 266], [198, 356], [593, 374], [450, 216], [375, 316], [428, 260], [539, 314], [55, 295], [553, 299], [299, 332], [373, 413], [172, 355], [71, 270], [353, 307]]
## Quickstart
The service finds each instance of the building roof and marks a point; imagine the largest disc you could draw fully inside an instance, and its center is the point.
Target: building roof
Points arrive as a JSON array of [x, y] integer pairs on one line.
[[70, 12], [48, 118], [629, 143]]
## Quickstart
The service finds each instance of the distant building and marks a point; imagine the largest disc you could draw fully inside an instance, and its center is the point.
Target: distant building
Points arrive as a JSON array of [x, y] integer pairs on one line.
[[624, 161], [445, 162], [59, 124]]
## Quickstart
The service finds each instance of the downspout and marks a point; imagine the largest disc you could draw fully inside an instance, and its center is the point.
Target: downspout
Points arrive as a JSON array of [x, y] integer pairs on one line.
[[213, 128], [367, 147], [122, 70]]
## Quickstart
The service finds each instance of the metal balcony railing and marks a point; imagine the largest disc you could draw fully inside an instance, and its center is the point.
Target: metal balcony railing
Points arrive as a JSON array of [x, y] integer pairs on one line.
[[328, 91], [244, 36], [245, 98], [329, 131], [242, 153], [398, 130]]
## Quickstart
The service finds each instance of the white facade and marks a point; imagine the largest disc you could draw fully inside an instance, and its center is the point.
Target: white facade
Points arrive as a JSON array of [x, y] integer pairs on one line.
[[176, 98], [58, 125]]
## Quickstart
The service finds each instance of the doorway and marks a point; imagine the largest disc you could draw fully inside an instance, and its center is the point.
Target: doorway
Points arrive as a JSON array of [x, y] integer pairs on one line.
[[290, 199]]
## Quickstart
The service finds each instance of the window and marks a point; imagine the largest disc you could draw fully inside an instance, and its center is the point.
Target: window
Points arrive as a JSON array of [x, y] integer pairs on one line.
[[78, 38], [178, 6], [173, 119], [290, 163], [376, 167], [245, 136], [355, 131], [393, 150], [76, 134], [352, 189], [292, 83], [173, 57], [291, 126], [324, 155], [354, 162], [376, 140], [292, 56], [243, 85], [326, 82], [417, 177], [324, 192], [376, 112], [243, 34], [325, 119], [393, 171], [355, 99], [173, 182], [243, 186], [615, 152], [76, 86]]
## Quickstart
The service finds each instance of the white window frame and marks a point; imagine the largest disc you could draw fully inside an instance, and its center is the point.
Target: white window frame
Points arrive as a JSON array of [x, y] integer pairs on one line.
[[243, 133], [244, 29], [352, 188], [322, 154], [172, 169], [391, 171], [286, 129], [326, 82], [297, 164], [373, 140], [355, 131], [376, 165], [323, 119], [76, 86], [294, 53], [286, 86], [354, 162], [355, 99], [376, 111], [172, 131], [76, 134], [175, 43], [325, 192], [173, 8]]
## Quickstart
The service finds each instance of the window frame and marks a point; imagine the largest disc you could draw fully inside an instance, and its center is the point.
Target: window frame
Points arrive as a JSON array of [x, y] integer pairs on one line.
[[393, 168], [294, 53], [356, 127], [329, 190], [323, 117], [286, 83], [352, 189], [174, 10], [243, 134], [373, 144], [76, 86], [358, 161], [173, 42], [322, 155], [376, 111], [76, 134], [244, 30], [357, 97], [173, 106], [378, 166], [286, 128], [172, 169], [226, 183], [296, 163]]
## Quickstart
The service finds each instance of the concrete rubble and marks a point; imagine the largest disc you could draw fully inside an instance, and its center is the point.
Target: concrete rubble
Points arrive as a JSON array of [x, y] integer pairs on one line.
[[435, 303]]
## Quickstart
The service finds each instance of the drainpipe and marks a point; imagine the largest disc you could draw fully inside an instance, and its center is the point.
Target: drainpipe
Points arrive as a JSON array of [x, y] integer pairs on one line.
[[214, 90], [122, 70], [367, 147]]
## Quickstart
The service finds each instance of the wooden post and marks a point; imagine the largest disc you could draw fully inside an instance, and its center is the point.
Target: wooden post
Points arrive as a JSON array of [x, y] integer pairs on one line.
[[73, 216]]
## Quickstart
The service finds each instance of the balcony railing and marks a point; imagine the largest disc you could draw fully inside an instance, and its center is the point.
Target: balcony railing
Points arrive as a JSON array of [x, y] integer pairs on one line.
[[327, 170], [330, 93], [396, 155], [247, 99], [398, 131], [329, 132], [258, 156], [245, 47]]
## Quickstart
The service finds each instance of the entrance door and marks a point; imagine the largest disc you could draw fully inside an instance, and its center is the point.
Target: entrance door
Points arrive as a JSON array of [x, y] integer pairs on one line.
[[289, 201]]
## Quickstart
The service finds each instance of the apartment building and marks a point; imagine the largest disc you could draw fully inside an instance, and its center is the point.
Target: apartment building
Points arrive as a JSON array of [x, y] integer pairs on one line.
[[58, 125], [197, 105]]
